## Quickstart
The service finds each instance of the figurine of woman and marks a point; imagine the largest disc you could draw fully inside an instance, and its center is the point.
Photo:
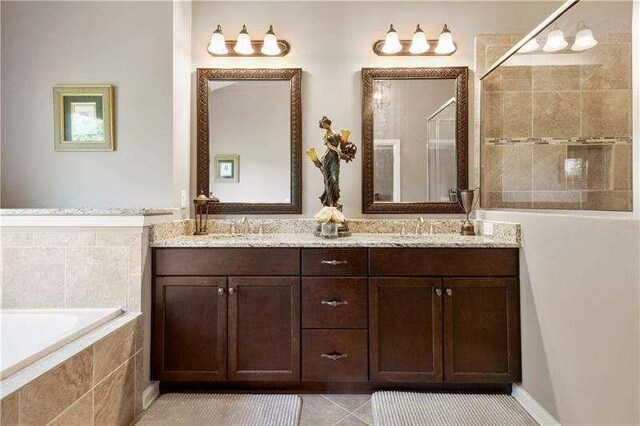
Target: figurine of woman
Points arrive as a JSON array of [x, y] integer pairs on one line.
[[338, 148]]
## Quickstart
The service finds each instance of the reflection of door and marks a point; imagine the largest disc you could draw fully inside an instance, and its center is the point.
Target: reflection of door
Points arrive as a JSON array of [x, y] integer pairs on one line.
[[441, 152], [387, 180]]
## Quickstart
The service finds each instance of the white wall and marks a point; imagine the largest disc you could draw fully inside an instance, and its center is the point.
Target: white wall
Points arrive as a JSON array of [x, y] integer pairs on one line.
[[127, 44], [331, 42]]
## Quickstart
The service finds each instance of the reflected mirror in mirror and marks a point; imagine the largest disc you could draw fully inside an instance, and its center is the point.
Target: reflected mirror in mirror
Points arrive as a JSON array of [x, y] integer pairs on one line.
[[250, 140], [414, 140]]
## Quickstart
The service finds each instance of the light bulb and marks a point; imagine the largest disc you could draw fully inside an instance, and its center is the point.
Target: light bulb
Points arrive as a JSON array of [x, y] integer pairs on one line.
[[391, 42], [555, 41], [445, 42], [270, 44], [243, 44], [217, 45], [584, 39], [530, 46], [419, 43]]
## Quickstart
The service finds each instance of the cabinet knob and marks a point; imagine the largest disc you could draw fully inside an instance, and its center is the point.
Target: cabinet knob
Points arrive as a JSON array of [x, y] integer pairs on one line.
[[438, 292], [221, 291], [449, 292], [334, 356], [333, 262], [232, 290], [334, 303]]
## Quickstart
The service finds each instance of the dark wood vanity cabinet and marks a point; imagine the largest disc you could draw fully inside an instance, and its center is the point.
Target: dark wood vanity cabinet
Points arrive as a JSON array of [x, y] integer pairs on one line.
[[365, 318]]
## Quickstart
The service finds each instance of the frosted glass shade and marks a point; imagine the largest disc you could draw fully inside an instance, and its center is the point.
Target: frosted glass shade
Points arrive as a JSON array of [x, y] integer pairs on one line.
[[270, 44], [243, 44], [217, 45], [555, 41], [530, 46], [391, 42], [445, 42], [419, 43], [584, 40]]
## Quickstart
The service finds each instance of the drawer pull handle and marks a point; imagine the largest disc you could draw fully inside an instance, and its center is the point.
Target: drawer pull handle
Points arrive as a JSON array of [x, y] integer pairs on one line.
[[334, 262], [438, 292], [232, 290], [449, 292], [221, 291], [334, 356], [334, 303]]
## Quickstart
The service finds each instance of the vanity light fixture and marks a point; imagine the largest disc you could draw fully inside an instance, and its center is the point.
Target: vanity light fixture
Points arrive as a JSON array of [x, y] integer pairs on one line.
[[445, 42], [391, 42], [555, 41], [530, 46], [243, 44], [584, 39], [419, 45], [217, 45], [269, 46]]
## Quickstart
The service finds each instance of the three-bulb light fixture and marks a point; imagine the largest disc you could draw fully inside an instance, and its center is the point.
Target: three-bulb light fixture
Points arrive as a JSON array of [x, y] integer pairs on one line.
[[244, 46], [419, 45], [556, 42]]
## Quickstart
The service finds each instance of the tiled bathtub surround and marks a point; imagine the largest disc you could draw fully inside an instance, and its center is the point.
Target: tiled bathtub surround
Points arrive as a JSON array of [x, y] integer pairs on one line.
[[72, 267], [556, 129], [100, 384]]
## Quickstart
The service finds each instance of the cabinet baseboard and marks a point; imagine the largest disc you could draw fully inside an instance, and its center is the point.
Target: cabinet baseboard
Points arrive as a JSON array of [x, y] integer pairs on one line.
[[150, 394], [533, 407]]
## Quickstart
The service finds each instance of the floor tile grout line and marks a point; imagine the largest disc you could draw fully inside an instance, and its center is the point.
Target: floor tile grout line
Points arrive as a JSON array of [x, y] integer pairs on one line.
[[340, 406]]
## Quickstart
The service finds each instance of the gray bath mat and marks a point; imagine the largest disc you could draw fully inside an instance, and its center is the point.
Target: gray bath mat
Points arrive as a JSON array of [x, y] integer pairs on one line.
[[410, 408], [223, 409]]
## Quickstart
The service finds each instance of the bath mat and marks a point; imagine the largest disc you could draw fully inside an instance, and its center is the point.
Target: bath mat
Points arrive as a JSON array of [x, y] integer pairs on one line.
[[223, 409], [411, 408]]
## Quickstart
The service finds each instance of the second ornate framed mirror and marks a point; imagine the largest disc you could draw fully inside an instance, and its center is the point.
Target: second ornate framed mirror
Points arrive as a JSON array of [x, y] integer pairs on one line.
[[250, 139], [414, 139]]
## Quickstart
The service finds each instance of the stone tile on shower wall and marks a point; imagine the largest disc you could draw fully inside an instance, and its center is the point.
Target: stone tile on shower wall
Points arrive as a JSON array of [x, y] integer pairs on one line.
[[556, 77], [97, 277], [135, 293], [79, 414], [606, 66], [113, 350], [569, 200], [495, 52], [493, 82], [516, 120], [16, 239], [621, 167], [491, 168], [598, 162], [479, 56], [556, 114], [517, 168], [495, 39], [10, 410], [47, 396], [33, 277], [606, 113], [492, 106], [516, 79], [113, 397], [135, 255], [549, 168], [64, 239], [607, 200], [509, 200], [576, 167]]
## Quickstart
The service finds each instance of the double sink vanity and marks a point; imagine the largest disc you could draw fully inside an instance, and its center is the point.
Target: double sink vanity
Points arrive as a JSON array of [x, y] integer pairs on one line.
[[373, 311]]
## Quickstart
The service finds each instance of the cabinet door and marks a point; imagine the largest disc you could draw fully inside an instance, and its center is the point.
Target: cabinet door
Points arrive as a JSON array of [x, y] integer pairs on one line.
[[264, 328], [190, 329], [405, 334], [481, 330]]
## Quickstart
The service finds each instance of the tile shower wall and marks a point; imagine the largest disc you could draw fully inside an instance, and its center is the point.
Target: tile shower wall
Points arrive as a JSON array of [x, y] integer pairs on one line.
[[101, 385], [556, 136], [73, 267]]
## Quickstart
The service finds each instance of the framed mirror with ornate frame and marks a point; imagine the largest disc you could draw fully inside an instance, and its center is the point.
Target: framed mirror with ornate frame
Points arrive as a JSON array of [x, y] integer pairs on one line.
[[414, 139], [249, 139]]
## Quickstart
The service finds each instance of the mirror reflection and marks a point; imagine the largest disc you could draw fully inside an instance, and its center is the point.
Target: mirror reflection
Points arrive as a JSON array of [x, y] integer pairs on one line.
[[414, 140], [250, 140]]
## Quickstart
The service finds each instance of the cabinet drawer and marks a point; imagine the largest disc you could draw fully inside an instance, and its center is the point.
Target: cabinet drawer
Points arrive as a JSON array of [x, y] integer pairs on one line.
[[461, 262], [227, 261], [334, 261], [334, 302], [334, 355]]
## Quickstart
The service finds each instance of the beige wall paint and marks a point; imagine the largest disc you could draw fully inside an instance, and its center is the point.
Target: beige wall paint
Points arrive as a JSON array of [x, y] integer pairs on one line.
[[127, 44], [331, 42]]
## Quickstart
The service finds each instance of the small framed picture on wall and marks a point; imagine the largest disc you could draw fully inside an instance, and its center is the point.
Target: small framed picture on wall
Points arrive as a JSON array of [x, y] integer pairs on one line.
[[227, 168], [83, 118]]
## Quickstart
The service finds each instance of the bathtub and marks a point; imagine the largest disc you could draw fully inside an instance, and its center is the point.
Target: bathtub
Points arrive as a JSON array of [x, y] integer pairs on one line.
[[31, 334]]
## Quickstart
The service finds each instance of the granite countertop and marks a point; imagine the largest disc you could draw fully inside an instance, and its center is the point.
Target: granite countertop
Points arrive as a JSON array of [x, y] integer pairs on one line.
[[356, 240], [87, 212]]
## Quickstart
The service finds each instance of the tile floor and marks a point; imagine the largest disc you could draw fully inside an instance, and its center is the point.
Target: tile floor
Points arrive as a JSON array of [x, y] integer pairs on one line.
[[336, 409]]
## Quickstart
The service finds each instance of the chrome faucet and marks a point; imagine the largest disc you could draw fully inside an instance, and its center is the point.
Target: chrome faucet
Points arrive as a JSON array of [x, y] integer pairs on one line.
[[419, 225]]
